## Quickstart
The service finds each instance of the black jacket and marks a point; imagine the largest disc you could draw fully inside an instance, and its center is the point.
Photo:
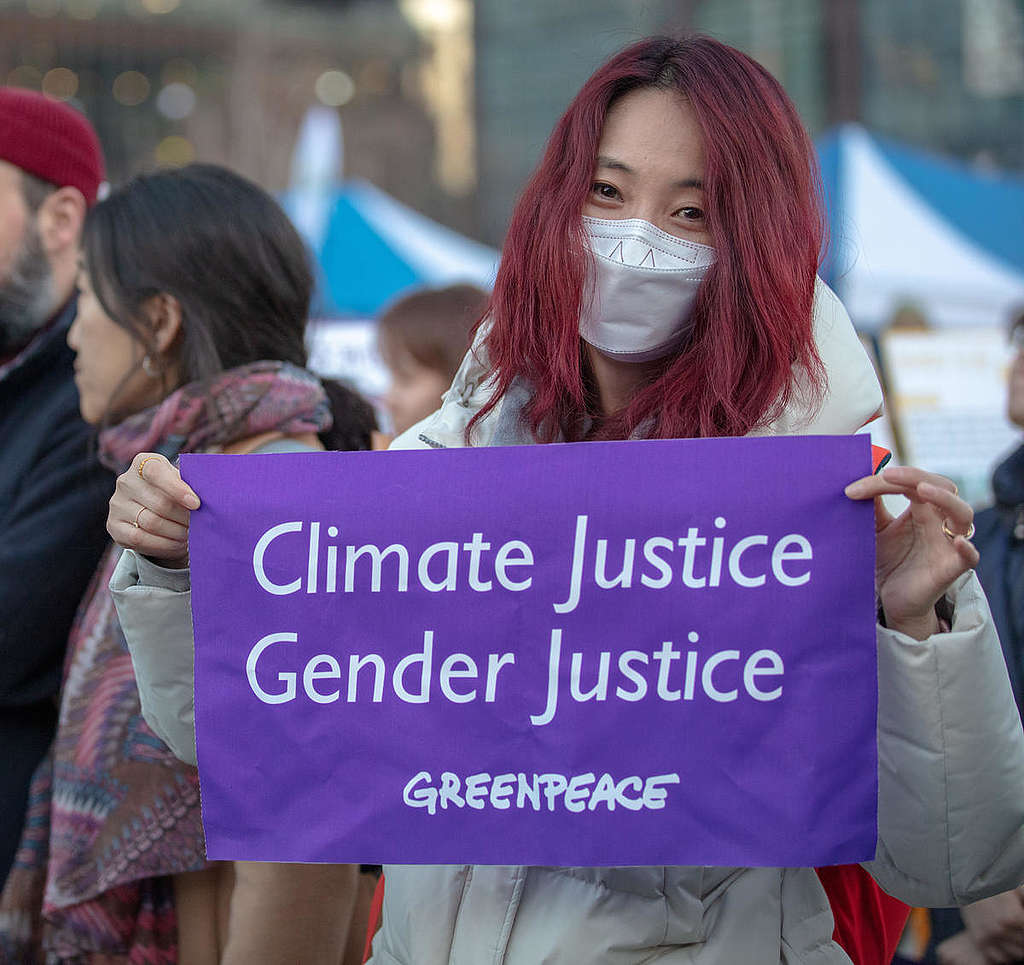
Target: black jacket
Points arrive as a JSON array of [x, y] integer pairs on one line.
[[53, 508], [1000, 541]]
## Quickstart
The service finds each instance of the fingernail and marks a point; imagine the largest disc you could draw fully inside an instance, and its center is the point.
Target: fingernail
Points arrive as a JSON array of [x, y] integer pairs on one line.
[[192, 501]]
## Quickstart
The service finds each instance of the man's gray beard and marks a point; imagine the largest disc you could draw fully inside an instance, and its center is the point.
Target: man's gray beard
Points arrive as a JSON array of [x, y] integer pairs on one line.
[[26, 294]]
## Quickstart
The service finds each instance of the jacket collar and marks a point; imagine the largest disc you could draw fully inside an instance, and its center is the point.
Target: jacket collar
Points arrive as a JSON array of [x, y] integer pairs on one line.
[[1008, 480], [852, 399]]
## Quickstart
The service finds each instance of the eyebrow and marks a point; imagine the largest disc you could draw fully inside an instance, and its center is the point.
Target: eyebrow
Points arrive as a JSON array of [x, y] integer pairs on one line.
[[603, 161]]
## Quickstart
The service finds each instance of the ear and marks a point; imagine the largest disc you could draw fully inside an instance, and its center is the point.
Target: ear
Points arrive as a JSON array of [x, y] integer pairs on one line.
[[60, 219], [164, 312]]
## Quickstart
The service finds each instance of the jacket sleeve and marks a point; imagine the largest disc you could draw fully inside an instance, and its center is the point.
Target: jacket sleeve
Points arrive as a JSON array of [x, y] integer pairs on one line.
[[950, 762], [53, 536], [154, 605]]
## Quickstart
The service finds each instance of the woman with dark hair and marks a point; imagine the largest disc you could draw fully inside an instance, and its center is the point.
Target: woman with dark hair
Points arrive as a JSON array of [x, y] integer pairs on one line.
[[194, 293], [658, 281]]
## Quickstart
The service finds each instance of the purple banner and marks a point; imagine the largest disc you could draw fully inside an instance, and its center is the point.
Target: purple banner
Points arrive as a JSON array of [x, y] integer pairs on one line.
[[634, 653]]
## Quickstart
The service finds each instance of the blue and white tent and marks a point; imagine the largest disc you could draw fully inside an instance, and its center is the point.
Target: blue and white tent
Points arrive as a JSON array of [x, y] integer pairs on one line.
[[367, 250], [910, 228], [370, 247], [367, 246]]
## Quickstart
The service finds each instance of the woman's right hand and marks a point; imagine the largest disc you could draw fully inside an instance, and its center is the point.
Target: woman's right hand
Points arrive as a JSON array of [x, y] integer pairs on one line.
[[150, 509]]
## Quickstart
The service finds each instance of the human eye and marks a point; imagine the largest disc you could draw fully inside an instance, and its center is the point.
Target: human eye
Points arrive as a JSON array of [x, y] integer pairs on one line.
[[691, 214], [603, 191]]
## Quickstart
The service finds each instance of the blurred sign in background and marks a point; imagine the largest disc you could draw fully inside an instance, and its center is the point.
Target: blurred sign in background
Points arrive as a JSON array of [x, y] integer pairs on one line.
[[412, 125]]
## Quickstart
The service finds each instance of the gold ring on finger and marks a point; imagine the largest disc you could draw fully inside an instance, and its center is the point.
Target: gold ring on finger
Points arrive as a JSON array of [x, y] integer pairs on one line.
[[138, 516], [951, 536], [143, 463]]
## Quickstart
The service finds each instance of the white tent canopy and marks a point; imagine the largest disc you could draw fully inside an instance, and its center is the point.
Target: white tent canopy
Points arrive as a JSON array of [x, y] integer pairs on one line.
[[910, 229]]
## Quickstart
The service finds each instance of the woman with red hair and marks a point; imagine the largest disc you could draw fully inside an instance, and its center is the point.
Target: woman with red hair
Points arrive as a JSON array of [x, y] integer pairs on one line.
[[659, 281]]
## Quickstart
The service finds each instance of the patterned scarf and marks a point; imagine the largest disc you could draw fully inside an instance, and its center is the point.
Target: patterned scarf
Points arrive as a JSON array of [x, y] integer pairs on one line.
[[112, 813], [243, 402]]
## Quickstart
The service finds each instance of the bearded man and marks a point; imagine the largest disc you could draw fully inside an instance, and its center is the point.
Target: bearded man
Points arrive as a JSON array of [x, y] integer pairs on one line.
[[53, 493]]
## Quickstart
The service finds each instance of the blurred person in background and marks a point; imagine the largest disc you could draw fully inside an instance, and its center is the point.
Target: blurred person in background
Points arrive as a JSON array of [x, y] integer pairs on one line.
[[691, 149], [422, 339], [993, 930], [53, 491], [194, 294]]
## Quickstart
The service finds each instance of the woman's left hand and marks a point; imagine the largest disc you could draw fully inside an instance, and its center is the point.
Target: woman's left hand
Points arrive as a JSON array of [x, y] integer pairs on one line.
[[916, 559]]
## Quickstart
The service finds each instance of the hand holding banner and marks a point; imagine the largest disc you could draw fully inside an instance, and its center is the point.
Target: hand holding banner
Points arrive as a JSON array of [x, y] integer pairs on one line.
[[595, 654]]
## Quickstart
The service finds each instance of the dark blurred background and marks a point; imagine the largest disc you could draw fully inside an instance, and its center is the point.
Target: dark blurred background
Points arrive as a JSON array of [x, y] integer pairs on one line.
[[446, 104]]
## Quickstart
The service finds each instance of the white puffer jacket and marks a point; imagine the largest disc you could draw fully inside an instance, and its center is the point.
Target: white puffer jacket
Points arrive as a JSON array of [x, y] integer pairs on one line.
[[951, 769]]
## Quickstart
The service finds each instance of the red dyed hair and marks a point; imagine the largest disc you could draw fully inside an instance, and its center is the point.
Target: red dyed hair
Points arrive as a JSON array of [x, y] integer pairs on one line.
[[752, 317]]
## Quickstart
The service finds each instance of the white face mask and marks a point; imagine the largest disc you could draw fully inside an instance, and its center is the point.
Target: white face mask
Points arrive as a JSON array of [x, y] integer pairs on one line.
[[637, 306]]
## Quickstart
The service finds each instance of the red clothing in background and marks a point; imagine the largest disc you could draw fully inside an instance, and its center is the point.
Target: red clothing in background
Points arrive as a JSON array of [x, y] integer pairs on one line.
[[869, 922]]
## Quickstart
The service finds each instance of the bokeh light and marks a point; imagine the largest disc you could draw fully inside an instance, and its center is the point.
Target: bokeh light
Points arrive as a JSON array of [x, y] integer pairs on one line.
[[175, 151], [160, 6], [61, 83], [176, 101], [435, 14], [131, 88], [334, 88]]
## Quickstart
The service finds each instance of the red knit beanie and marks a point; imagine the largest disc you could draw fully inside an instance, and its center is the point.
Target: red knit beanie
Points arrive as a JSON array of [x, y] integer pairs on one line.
[[49, 139]]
